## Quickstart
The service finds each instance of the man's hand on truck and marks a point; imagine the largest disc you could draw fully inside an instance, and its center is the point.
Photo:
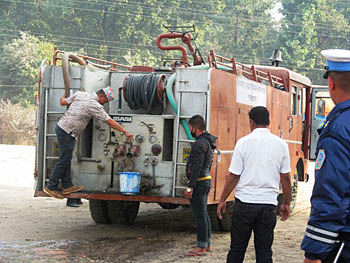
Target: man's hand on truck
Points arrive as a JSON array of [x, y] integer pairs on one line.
[[129, 137]]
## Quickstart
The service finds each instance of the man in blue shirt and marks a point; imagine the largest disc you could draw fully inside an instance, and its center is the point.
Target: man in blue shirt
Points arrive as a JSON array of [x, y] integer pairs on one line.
[[329, 223]]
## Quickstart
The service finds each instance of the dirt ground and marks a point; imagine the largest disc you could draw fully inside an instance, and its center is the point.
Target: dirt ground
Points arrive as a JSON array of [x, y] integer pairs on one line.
[[45, 230]]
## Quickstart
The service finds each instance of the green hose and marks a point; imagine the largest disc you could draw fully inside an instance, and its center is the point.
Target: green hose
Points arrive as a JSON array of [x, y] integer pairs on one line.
[[170, 95]]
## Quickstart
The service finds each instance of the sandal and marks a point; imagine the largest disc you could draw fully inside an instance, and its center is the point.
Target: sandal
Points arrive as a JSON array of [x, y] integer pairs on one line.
[[193, 253]]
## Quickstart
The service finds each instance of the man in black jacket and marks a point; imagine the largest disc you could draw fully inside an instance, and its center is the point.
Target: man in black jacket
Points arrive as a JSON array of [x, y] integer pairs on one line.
[[197, 171]]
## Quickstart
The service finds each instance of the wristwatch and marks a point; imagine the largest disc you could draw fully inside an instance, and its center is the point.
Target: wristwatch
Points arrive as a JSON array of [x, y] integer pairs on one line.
[[188, 189]]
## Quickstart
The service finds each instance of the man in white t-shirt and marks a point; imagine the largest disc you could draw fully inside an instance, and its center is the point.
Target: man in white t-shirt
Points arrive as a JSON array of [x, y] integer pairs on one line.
[[259, 163]]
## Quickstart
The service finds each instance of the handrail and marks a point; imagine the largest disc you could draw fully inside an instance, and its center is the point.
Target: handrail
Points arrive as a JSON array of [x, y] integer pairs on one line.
[[248, 71], [113, 65]]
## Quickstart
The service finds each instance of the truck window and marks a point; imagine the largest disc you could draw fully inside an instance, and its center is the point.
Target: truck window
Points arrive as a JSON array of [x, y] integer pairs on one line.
[[300, 102], [293, 102], [323, 105]]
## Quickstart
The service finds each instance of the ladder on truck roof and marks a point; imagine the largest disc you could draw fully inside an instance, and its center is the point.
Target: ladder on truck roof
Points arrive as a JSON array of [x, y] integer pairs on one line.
[[177, 134]]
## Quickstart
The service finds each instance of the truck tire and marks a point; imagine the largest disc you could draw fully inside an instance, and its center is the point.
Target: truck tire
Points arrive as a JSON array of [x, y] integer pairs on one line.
[[130, 211], [115, 209], [223, 225], [168, 206], [123, 211], [294, 192], [99, 211], [214, 220], [226, 222]]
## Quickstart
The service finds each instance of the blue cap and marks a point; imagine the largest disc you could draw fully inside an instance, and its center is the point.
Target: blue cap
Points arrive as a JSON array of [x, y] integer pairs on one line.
[[337, 60]]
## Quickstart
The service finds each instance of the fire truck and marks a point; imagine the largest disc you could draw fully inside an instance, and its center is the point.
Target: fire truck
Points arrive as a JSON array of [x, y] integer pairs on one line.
[[154, 104]]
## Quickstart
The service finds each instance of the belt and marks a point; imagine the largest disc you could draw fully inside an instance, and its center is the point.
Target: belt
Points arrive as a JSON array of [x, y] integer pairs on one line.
[[204, 178]]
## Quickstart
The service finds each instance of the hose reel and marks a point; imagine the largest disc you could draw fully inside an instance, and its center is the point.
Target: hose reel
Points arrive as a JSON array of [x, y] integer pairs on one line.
[[145, 92]]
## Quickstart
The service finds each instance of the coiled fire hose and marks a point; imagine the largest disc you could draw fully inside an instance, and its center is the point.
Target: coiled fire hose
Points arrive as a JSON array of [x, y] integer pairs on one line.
[[144, 92]]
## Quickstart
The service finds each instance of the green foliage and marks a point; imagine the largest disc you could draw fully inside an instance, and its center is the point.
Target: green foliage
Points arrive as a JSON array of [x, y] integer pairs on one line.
[[246, 30], [20, 66], [309, 27], [125, 31]]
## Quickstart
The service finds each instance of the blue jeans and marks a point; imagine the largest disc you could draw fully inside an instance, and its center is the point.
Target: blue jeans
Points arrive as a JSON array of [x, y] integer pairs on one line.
[[198, 203], [61, 171], [246, 217]]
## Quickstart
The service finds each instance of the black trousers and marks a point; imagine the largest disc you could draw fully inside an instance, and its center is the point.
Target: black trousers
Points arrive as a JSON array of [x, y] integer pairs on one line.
[[61, 171], [259, 218]]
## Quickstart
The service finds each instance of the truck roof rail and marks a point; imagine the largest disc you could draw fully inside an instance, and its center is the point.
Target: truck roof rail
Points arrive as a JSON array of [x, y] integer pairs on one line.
[[113, 66], [249, 72]]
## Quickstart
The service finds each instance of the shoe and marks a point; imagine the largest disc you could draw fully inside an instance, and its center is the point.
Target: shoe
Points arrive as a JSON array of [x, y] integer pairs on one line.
[[73, 205], [73, 202], [72, 189], [53, 193]]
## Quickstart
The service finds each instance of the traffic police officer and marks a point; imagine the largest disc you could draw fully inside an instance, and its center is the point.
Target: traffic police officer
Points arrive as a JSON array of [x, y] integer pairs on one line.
[[329, 222]]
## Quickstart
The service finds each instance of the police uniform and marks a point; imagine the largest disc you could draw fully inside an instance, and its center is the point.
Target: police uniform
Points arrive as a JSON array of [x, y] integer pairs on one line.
[[329, 220]]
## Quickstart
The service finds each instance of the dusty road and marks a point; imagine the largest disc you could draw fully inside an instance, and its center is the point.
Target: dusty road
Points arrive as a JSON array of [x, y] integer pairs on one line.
[[45, 230]]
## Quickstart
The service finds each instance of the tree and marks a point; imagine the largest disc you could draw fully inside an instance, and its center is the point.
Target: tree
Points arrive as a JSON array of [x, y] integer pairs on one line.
[[20, 66], [307, 28], [246, 30]]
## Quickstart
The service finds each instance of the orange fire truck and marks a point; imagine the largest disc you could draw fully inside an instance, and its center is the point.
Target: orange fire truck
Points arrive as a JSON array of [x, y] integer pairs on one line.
[[221, 90]]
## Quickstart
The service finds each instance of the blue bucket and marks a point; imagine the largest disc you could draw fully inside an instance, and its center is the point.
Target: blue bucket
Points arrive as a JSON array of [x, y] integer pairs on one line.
[[129, 182]]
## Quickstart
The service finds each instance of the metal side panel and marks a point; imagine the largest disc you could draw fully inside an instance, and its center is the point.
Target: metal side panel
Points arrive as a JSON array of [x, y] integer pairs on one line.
[[117, 79], [94, 79], [75, 77], [195, 83], [95, 169]]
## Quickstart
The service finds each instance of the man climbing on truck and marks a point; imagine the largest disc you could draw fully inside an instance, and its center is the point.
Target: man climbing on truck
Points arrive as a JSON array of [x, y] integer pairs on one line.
[[83, 107]]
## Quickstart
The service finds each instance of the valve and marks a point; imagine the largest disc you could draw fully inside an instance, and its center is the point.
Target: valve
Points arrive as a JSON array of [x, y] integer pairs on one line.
[[101, 166], [139, 138], [134, 151], [154, 160], [146, 161], [156, 149], [119, 151]]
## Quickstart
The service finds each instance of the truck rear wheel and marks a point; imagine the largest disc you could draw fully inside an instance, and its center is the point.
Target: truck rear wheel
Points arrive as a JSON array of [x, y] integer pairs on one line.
[[294, 190], [214, 220], [115, 211], [130, 211], [168, 206], [99, 211], [123, 211], [223, 225], [294, 193]]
